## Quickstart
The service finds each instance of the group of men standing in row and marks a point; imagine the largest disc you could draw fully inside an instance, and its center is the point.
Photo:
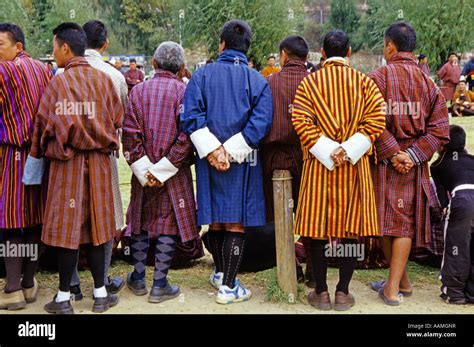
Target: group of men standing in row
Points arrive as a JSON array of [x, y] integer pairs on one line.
[[359, 169]]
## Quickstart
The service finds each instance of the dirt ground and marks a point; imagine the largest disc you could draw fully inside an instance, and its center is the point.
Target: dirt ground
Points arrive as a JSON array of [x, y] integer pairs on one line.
[[198, 297]]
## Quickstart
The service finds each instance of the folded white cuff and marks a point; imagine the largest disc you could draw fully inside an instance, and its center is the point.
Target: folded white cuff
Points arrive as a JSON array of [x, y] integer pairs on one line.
[[237, 147], [34, 171], [204, 141], [323, 149], [140, 168], [356, 146], [163, 170]]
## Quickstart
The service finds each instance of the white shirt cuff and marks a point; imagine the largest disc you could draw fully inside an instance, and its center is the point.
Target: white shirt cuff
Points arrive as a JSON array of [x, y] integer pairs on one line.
[[140, 168], [204, 141], [237, 147], [323, 149], [163, 170], [356, 146], [34, 171]]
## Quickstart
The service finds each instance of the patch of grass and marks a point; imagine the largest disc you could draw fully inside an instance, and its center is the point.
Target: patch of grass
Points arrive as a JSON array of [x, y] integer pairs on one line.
[[267, 280]]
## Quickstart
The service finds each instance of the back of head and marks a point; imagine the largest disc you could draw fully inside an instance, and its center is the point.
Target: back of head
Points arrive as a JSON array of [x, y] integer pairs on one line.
[[336, 44], [295, 47], [237, 35], [169, 56], [73, 35], [402, 35], [457, 139], [14, 32], [96, 34]]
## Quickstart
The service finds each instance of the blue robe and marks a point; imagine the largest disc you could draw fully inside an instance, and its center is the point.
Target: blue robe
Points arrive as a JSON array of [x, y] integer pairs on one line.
[[228, 97]]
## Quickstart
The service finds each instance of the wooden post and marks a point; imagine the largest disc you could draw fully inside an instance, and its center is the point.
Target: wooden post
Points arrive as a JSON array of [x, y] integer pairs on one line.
[[284, 235]]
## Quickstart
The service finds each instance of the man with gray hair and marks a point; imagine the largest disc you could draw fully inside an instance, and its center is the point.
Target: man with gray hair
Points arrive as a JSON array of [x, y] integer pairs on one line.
[[162, 202]]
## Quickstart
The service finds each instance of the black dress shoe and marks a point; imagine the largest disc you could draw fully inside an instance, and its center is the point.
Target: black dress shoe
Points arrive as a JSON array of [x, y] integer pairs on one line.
[[63, 307], [158, 294], [103, 304], [137, 287], [76, 291], [115, 285]]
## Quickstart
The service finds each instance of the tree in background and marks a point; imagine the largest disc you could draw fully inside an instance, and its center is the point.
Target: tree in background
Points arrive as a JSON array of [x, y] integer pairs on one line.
[[344, 16], [442, 26]]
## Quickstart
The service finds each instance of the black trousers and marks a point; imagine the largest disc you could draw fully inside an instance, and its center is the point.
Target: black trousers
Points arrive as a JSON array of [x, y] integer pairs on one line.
[[457, 268]]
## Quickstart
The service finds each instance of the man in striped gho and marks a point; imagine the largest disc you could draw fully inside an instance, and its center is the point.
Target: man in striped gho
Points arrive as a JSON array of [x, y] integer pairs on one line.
[[338, 113], [22, 83], [76, 130], [417, 124]]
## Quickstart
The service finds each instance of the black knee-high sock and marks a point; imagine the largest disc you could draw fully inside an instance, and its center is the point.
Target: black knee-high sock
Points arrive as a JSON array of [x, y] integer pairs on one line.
[[216, 242], [67, 259], [13, 265], [347, 266], [139, 244], [233, 252], [32, 236], [319, 262], [96, 262], [164, 253]]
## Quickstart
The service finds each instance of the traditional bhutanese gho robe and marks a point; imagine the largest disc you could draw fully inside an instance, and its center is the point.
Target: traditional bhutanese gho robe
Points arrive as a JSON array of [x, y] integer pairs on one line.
[[281, 148], [22, 83], [450, 75], [337, 106], [228, 103], [76, 129], [94, 58], [417, 122], [153, 141]]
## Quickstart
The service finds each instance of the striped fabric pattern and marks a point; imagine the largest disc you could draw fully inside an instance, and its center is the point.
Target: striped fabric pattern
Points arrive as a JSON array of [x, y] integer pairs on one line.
[[80, 206], [336, 101], [403, 199], [22, 83]]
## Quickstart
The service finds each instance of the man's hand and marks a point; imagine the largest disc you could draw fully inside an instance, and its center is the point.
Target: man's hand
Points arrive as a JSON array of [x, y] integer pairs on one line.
[[219, 159], [338, 156], [152, 181], [402, 162]]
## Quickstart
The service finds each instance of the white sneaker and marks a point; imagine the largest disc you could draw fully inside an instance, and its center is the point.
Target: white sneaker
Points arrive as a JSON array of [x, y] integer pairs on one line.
[[239, 293], [216, 279]]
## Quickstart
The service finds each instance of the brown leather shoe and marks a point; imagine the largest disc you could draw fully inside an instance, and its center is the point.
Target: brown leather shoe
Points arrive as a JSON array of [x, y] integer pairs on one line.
[[31, 293], [344, 301], [12, 301], [320, 301]]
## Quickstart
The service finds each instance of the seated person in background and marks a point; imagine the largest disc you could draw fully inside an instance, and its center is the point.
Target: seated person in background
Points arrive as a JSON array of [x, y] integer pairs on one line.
[[453, 174], [463, 101]]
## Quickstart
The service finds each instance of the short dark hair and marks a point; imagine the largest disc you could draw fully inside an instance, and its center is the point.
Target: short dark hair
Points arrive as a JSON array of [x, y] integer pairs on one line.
[[96, 33], [452, 53], [402, 35], [73, 35], [132, 61], [336, 43], [295, 46], [15, 34], [421, 56], [457, 138], [237, 35]]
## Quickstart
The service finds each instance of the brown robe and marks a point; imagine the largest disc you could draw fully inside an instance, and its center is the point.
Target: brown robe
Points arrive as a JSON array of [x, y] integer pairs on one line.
[[78, 142]]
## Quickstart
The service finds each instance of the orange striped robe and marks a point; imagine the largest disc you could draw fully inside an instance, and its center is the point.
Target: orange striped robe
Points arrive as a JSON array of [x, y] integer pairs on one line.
[[337, 101]]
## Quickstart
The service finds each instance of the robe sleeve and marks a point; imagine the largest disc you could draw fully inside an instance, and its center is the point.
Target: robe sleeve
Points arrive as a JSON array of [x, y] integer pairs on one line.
[[194, 118], [258, 125], [306, 126], [436, 130], [132, 139], [371, 125], [179, 153], [386, 145]]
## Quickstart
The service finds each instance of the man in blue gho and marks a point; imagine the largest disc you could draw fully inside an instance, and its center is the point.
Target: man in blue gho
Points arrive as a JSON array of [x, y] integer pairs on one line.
[[227, 112], [453, 174]]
